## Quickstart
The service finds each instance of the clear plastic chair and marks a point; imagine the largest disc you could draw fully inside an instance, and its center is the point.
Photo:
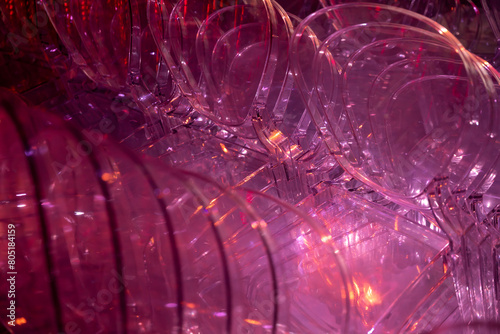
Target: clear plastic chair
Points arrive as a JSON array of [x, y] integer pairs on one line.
[[131, 245], [400, 282], [246, 89], [333, 36], [116, 50]]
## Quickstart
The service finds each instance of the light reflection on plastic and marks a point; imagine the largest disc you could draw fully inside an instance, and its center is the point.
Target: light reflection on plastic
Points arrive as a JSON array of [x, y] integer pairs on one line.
[[326, 238], [223, 148], [443, 30], [253, 322], [367, 297]]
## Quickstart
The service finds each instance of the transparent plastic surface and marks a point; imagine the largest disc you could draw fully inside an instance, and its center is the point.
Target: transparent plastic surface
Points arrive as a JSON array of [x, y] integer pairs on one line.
[[111, 42], [227, 62], [86, 30], [492, 12], [134, 246], [475, 328], [175, 27], [343, 41], [399, 281], [461, 18], [473, 256], [339, 167]]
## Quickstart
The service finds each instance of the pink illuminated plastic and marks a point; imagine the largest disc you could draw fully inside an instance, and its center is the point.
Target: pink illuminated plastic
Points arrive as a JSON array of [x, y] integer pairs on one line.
[[260, 166]]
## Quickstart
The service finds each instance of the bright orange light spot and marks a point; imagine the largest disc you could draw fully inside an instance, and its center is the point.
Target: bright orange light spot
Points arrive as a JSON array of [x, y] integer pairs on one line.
[[326, 238], [107, 177], [414, 326], [20, 321], [443, 30], [253, 322], [223, 148], [357, 288], [261, 224], [372, 297], [276, 136], [365, 295]]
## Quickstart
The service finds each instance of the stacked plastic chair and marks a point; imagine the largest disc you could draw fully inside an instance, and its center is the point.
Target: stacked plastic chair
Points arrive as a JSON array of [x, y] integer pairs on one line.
[[250, 167]]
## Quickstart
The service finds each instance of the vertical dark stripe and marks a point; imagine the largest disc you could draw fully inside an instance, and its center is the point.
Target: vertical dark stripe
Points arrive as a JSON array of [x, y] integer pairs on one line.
[[275, 283], [113, 225], [47, 249], [170, 228]]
